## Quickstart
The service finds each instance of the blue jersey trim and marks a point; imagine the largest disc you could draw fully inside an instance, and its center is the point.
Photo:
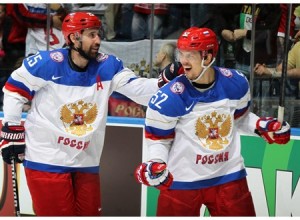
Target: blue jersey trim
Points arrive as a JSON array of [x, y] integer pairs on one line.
[[210, 182], [59, 169]]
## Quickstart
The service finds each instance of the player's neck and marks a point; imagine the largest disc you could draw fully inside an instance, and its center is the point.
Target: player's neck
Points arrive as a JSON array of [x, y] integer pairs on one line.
[[73, 64], [78, 60], [208, 77]]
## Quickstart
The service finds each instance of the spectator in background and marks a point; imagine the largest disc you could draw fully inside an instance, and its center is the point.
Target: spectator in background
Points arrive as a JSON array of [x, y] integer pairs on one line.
[[12, 42], [267, 17], [141, 21], [110, 15], [34, 17], [293, 74], [297, 22], [167, 64], [293, 67], [2, 52], [13, 39], [165, 56], [217, 17], [2, 18], [281, 31]]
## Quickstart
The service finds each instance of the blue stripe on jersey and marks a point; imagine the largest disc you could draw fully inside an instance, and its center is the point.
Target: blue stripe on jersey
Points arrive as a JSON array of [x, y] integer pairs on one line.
[[209, 182], [240, 112], [20, 86], [159, 132], [59, 169]]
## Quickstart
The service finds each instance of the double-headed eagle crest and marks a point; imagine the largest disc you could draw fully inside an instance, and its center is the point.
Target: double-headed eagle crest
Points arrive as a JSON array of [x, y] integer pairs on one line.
[[213, 130], [77, 117]]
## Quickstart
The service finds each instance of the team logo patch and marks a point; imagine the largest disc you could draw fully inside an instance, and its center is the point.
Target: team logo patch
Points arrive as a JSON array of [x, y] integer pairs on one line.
[[226, 72], [177, 88], [78, 117], [101, 57], [57, 56], [213, 130]]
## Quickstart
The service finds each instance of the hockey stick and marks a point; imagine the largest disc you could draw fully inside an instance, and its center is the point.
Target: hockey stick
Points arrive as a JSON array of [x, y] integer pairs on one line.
[[15, 186], [280, 114]]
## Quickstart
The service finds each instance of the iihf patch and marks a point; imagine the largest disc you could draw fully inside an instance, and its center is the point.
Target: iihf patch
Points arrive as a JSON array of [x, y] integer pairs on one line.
[[57, 56], [226, 72], [101, 57], [177, 88]]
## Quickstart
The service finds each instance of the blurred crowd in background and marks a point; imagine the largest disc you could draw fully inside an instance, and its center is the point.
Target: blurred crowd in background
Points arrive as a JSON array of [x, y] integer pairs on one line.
[[27, 28]]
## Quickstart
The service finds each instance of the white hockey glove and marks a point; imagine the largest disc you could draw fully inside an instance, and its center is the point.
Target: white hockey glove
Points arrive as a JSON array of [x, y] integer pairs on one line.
[[154, 174], [12, 143], [272, 131]]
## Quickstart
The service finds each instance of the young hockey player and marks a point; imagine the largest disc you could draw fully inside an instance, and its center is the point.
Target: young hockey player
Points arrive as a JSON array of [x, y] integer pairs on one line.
[[192, 129], [64, 130]]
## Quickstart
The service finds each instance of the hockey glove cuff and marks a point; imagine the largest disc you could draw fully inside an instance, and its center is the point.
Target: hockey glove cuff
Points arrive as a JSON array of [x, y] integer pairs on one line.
[[12, 143]]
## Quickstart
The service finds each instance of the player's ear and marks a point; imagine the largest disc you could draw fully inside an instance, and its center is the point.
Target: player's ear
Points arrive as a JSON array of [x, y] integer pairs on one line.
[[72, 38], [208, 58]]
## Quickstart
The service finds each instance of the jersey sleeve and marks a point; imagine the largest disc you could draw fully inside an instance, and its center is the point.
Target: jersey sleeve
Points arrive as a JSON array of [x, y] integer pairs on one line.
[[163, 112], [28, 79], [240, 91], [246, 120], [138, 89], [22, 85]]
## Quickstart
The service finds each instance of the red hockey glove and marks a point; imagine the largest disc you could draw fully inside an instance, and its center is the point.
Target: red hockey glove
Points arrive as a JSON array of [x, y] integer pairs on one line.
[[272, 131], [12, 143], [154, 174], [169, 73]]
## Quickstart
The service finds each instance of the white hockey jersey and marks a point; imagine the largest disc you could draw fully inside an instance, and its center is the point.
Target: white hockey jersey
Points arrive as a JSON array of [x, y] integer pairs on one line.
[[65, 126], [198, 133]]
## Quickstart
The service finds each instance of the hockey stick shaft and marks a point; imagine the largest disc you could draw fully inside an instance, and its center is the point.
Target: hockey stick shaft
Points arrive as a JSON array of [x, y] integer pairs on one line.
[[281, 106], [15, 186]]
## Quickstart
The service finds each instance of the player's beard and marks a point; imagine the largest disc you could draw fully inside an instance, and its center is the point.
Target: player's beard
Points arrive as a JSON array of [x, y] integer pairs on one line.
[[93, 51]]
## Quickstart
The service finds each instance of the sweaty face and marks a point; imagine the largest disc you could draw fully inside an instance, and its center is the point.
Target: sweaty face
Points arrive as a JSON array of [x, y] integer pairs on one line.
[[90, 39], [191, 63]]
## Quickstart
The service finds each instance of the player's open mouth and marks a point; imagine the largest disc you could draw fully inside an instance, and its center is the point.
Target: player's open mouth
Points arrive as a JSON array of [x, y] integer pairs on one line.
[[187, 69]]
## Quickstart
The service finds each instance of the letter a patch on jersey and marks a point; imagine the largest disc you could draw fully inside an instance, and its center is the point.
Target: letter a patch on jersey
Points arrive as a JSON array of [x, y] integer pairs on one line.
[[99, 84]]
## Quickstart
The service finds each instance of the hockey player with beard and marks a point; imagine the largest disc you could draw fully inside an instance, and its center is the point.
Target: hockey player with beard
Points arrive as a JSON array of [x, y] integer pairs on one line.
[[64, 130], [192, 130]]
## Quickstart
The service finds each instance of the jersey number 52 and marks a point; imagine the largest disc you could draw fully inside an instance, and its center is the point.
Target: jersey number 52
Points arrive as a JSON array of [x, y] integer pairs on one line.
[[158, 98]]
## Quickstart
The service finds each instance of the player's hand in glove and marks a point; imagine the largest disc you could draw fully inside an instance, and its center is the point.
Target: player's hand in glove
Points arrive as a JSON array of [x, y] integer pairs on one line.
[[12, 143], [273, 131], [169, 73], [154, 174]]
